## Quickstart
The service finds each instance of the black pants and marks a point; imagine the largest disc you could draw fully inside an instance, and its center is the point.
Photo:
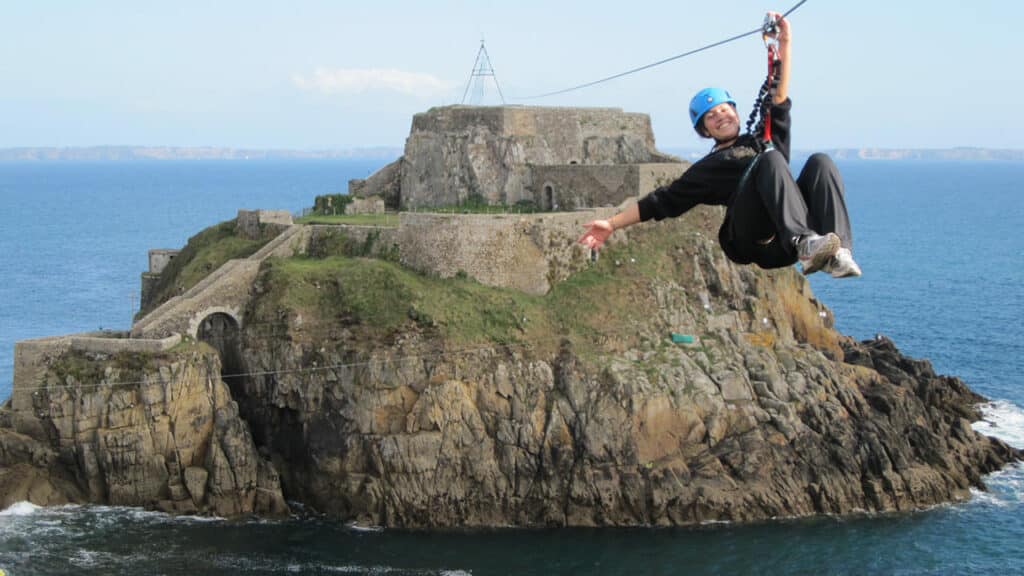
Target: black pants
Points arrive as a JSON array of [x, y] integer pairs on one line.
[[773, 205]]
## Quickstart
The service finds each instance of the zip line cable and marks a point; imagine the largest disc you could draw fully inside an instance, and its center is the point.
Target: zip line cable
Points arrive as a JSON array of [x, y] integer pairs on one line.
[[660, 62]]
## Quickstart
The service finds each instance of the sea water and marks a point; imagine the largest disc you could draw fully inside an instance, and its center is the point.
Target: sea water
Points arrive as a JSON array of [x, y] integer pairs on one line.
[[941, 251]]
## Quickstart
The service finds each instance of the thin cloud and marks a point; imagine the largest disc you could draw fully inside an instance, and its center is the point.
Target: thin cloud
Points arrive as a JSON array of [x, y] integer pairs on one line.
[[362, 80]]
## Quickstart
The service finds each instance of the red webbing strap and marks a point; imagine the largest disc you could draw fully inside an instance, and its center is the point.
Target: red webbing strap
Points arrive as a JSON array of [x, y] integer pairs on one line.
[[771, 95]]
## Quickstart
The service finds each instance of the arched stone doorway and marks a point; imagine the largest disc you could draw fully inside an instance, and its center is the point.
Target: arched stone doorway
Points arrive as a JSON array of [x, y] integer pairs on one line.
[[549, 197], [221, 331]]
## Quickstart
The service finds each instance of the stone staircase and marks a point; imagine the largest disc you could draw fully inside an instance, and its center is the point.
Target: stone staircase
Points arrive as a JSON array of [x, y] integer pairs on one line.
[[226, 289]]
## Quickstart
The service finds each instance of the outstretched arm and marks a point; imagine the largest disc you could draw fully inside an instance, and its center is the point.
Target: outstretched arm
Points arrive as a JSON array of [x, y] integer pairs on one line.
[[599, 230], [783, 33]]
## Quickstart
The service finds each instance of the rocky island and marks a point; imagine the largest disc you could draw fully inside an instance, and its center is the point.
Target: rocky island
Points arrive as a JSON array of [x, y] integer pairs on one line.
[[460, 369]]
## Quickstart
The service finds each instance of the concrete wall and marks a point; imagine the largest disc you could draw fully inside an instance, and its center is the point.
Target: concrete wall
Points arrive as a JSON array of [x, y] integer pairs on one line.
[[524, 252]]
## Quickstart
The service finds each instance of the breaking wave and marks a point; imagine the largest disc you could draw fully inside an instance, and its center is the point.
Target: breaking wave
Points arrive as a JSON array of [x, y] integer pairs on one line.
[[1005, 421]]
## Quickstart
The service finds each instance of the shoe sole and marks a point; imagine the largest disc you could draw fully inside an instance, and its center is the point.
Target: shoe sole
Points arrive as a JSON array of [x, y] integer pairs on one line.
[[851, 273], [820, 258]]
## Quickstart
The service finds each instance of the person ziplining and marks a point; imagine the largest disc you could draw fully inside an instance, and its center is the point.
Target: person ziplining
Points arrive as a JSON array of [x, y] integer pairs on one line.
[[771, 219]]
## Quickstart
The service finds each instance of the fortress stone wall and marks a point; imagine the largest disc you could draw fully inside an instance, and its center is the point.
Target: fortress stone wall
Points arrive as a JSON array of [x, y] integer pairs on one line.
[[574, 187], [526, 252], [455, 153], [159, 258], [369, 241], [250, 222]]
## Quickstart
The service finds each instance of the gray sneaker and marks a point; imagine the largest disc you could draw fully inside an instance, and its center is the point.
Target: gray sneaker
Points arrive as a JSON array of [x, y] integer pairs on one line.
[[842, 265], [815, 251]]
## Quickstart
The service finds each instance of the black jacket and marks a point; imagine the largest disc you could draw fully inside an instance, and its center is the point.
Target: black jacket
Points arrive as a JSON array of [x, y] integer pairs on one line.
[[714, 178]]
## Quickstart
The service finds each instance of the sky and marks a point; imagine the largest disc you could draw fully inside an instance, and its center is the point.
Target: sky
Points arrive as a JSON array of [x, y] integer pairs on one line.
[[337, 74]]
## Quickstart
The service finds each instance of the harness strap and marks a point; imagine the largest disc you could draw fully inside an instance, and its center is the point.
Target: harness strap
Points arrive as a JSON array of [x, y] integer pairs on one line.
[[773, 80], [761, 111]]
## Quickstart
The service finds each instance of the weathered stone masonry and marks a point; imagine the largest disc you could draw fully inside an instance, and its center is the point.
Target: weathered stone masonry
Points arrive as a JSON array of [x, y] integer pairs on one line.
[[500, 154]]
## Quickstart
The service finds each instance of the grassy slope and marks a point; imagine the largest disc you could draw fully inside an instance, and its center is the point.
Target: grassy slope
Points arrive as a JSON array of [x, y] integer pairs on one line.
[[377, 299]]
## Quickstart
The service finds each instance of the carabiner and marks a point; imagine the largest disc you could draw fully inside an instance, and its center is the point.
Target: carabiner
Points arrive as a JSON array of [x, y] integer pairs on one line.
[[769, 31]]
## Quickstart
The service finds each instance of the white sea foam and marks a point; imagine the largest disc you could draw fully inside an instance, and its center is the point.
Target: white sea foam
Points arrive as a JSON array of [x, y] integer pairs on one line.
[[84, 558], [363, 528], [20, 509], [1004, 420], [106, 515], [374, 570], [1005, 488]]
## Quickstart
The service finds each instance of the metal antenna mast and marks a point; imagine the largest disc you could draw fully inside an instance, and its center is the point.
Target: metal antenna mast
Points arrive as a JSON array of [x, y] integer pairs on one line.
[[481, 69]]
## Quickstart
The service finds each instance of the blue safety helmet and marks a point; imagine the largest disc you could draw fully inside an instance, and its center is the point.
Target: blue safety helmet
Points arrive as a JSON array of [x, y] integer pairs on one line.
[[705, 100]]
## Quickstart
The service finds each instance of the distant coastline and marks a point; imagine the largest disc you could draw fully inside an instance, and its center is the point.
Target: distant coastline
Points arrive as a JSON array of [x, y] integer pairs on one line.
[[963, 153], [131, 153], [149, 153], [948, 154]]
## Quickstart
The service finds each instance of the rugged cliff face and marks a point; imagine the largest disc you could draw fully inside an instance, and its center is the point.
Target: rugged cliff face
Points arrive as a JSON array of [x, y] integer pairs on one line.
[[401, 400], [378, 394], [154, 430]]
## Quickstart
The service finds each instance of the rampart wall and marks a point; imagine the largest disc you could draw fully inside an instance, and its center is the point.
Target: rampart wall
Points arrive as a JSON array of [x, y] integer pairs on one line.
[[251, 222], [33, 357], [651, 176], [574, 187], [368, 241], [526, 252]]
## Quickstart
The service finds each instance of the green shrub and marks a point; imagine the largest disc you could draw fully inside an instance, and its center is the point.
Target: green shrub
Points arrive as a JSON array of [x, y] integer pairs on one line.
[[331, 204]]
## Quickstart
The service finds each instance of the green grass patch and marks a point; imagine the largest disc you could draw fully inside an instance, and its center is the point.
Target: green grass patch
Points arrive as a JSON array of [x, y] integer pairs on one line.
[[339, 242], [377, 298], [386, 219], [128, 368]]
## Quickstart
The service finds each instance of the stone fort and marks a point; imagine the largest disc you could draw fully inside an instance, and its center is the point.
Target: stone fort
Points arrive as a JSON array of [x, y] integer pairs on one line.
[[555, 159], [569, 165]]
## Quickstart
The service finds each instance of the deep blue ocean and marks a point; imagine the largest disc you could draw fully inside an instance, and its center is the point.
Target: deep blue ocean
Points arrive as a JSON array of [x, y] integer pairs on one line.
[[943, 257]]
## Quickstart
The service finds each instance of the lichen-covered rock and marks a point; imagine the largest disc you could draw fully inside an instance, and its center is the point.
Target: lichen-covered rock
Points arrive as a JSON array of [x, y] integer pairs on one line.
[[159, 431]]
